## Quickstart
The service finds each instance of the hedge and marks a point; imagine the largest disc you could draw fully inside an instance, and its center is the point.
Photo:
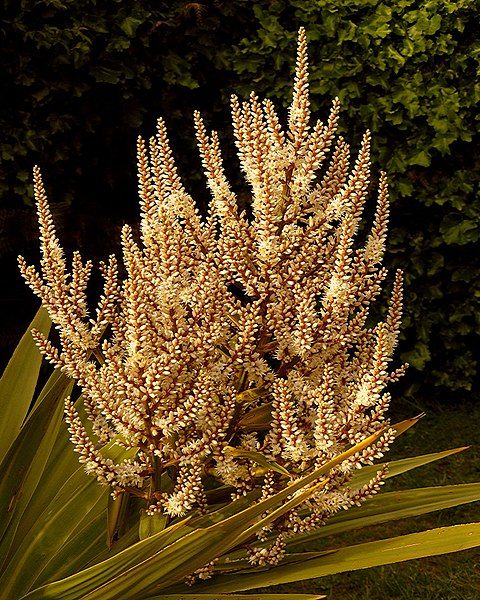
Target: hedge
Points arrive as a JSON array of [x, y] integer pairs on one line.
[[85, 77]]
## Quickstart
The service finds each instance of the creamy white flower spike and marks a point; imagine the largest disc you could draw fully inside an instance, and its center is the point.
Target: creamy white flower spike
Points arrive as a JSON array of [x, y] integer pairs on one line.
[[237, 350]]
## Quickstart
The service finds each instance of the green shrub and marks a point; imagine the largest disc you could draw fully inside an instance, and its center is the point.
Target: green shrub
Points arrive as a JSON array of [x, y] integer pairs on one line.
[[409, 74]]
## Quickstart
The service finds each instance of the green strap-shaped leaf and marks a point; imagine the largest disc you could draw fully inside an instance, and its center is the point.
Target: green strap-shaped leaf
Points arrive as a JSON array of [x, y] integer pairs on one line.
[[50, 533], [395, 505], [402, 426], [251, 394], [179, 529], [62, 463], [257, 418], [380, 509], [76, 586], [73, 505], [172, 564], [129, 538], [360, 478], [18, 382], [283, 596], [77, 552], [143, 566], [257, 457], [25, 461], [151, 524], [361, 556], [116, 510], [397, 467]]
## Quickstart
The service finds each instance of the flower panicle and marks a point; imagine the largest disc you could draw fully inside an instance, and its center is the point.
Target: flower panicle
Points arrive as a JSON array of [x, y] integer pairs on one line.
[[233, 331]]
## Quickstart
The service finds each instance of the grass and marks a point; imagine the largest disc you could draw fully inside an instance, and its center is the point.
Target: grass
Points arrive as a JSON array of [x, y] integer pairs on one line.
[[448, 577]]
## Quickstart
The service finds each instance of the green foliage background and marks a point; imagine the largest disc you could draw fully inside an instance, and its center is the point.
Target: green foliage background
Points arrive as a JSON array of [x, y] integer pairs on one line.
[[84, 77]]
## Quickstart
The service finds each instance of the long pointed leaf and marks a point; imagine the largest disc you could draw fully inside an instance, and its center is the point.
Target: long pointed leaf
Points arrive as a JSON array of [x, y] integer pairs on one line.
[[130, 572], [61, 465], [179, 559], [257, 418], [77, 552], [360, 478], [25, 462], [115, 515], [283, 596], [392, 506], [397, 467], [361, 556], [18, 382], [151, 524], [402, 426], [60, 519], [380, 509], [257, 457]]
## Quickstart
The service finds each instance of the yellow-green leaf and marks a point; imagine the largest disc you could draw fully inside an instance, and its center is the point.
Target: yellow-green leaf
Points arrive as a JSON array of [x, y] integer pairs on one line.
[[257, 418], [144, 565], [391, 506], [251, 394], [79, 550], [24, 464], [61, 464], [283, 596], [257, 457], [151, 524], [116, 510], [404, 425], [67, 512], [361, 556], [397, 467], [18, 382]]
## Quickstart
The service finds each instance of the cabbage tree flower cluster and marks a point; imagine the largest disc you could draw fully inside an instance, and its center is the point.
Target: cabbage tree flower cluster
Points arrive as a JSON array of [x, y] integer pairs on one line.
[[233, 351]]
